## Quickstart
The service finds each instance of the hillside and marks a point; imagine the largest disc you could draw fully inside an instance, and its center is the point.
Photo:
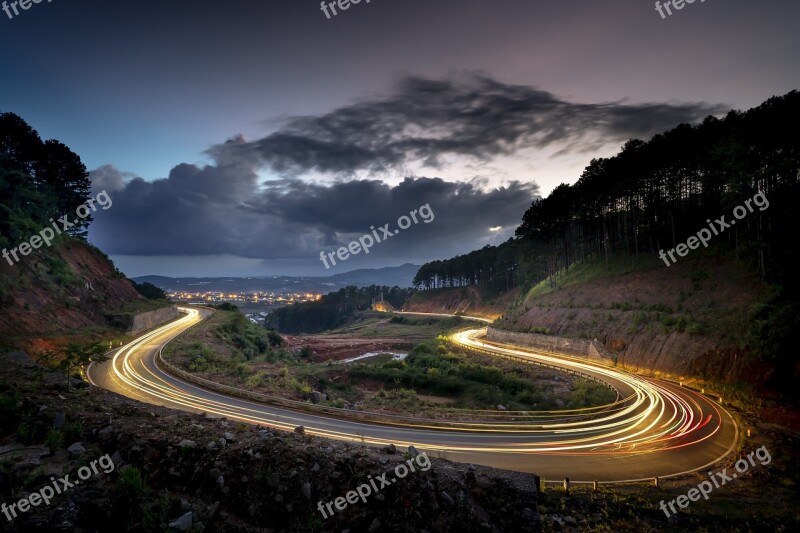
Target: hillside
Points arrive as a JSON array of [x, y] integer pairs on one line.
[[689, 320], [70, 290], [470, 301], [400, 276], [54, 286]]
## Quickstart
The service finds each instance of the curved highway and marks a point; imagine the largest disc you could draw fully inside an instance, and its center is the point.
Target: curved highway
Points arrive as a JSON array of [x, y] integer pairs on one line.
[[655, 428]]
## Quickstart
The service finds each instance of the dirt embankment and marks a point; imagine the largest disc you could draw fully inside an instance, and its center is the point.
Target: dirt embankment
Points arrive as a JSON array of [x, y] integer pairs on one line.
[[687, 320], [336, 348], [58, 290], [465, 300]]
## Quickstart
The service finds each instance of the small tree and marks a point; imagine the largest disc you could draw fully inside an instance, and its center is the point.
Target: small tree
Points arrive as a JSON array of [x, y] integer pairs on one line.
[[74, 356]]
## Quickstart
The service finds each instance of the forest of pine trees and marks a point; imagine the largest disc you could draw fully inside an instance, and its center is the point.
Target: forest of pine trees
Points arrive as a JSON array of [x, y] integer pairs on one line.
[[334, 309], [653, 195], [39, 180]]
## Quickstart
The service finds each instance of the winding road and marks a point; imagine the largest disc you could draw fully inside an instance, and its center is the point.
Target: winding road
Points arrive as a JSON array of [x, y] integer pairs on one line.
[[655, 428]]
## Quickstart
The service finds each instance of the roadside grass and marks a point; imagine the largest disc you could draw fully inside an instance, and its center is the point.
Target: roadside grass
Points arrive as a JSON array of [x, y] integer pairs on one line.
[[225, 343], [472, 383], [372, 324], [588, 271]]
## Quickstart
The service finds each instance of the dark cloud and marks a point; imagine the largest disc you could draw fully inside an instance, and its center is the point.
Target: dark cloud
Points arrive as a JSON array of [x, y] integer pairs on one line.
[[214, 210], [471, 115], [225, 208]]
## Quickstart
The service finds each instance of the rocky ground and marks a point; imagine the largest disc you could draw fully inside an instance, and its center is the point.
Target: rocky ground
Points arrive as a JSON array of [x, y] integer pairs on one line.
[[175, 471], [181, 472]]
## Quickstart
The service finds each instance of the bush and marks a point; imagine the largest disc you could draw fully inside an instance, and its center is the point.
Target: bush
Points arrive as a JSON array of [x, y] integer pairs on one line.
[[306, 351], [131, 493]]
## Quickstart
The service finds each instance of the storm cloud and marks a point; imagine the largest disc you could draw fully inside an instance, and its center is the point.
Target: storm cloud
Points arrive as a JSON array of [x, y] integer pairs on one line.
[[470, 116], [190, 213], [230, 208]]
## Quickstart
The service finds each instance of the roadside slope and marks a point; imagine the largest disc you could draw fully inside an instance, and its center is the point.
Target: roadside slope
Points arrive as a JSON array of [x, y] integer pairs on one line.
[[688, 320], [70, 289]]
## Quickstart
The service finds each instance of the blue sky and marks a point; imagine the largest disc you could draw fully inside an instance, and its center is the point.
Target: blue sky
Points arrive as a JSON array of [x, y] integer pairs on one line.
[[142, 91]]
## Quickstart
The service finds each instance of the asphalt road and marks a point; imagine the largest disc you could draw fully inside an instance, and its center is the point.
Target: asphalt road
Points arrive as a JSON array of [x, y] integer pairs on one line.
[[655, 428]]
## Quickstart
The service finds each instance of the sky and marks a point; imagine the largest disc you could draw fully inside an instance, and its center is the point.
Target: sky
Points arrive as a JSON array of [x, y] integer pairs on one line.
[[245, 138]]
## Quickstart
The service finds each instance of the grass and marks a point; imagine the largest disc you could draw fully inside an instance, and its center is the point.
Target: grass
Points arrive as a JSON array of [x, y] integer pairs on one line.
[[432, 368], [225, 343], [588, 271], [371, 324]]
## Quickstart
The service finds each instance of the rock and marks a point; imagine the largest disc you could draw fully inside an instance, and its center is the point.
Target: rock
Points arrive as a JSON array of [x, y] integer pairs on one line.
[[184, 523], [230, 437], [502, 408], [391, 448], [106, 430], [76, 383], [413, 451], [264, 434], [212, 510], [76, 449], [222, 442], [214, 473], [59, 420], [314, 396], [446, 498], [300, 430], [20, 359], [316, 467], [305, 489], [221, 481], [374, 526], [186, 443], [185, 505], [116, 458], [211, 445], [55, 380]]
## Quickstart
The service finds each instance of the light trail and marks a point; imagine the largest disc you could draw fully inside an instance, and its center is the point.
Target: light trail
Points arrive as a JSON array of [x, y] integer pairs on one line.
[[650, 418]]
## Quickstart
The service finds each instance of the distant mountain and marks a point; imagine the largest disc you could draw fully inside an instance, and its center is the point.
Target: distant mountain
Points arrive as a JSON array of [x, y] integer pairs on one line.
[[401, 276]]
